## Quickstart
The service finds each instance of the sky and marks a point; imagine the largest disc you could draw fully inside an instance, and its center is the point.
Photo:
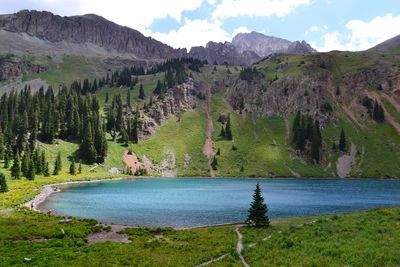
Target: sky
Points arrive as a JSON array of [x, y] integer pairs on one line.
[[327, 25]]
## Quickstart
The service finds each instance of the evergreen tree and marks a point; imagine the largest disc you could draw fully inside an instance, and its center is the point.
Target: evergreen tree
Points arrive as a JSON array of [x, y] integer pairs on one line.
[[38, 162], [214, 163], [87, 150], [316, 142], [378, 113], [56, 169], [128, 99], [43, 161], [141, 92], [16, 168], [46, 170], [25, 163], [3, 183], [258, 210], [31, 172], [222, 133], [80, 168], [342, 141], [228, 131], [72, 169], [59, 162], [106, 100], [6, 161]]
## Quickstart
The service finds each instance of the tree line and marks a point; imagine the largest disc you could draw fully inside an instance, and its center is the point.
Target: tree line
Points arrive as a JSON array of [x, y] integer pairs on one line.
[[307, 137], [27, 117]]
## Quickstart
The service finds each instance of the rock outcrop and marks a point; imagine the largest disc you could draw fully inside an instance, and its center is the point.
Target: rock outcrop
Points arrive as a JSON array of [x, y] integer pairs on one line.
[[13, 67], [223, 53], [176, 100], [264, 45]]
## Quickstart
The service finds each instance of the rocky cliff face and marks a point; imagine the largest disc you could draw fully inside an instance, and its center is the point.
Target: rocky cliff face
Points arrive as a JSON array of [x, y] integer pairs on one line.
[[178, 99], [223, 52], [248, 48], [283, 97], [264, 45], [86, 29], [12, 67]]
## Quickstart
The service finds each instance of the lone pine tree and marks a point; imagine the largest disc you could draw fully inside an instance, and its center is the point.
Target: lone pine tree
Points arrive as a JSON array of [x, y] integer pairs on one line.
[[141, 92], [72, 168], [258, 210], [3, 183], [342, 141], [16, 168]]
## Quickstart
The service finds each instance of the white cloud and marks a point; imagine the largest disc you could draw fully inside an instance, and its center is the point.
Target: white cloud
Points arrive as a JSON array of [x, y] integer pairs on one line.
[[256, 8], [316, 29], [241, 29], [363, 35], [140, 14], [194, 33]]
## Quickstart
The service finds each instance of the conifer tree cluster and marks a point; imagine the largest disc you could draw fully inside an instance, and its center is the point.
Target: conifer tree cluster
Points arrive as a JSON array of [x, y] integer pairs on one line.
[[307, 137], [26, 117], [32, 163], [226, 132], [178, 63], [249, 74], [375, 111], [122, 121]]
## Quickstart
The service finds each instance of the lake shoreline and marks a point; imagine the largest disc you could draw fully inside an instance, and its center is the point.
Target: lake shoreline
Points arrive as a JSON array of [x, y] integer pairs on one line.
[[51, 189]]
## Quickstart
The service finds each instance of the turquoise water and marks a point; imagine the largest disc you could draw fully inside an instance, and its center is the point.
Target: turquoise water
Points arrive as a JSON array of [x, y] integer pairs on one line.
[[188, 202]]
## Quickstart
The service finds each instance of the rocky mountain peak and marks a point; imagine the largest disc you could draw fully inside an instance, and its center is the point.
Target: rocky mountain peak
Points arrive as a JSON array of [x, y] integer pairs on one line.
[[264, 45]]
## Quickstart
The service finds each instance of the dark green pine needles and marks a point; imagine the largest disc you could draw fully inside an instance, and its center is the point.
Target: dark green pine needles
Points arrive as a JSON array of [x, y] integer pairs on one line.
[[258, 210], [3, 183]]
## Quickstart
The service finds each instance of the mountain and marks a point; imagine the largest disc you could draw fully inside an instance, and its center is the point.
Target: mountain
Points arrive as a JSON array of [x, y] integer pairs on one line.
[[90, 33], [44, 33], [248, 48], [388, 44], [264, 45], [223, 53]]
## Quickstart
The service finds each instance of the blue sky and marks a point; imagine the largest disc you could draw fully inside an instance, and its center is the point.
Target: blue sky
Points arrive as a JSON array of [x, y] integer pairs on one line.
[[326, 24]]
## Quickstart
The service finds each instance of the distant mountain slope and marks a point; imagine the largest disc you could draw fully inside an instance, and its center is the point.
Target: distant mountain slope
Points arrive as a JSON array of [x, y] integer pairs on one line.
[[83, 30], [264, 45], [223, 53], [388, 44], [248, 48]]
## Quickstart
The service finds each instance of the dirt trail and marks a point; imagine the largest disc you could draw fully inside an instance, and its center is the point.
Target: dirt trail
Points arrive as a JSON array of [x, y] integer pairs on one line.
[[213, 260], [392, 101], [239, 246], [388, 117], [208, 148]]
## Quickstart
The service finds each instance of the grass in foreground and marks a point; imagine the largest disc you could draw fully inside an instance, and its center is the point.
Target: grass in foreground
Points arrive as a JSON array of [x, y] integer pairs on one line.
[[368, 238], [65, 245]]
